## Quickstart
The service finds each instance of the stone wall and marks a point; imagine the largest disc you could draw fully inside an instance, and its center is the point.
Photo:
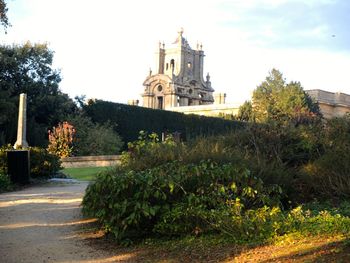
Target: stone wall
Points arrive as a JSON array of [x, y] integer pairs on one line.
[[90, 161], [211, 110]]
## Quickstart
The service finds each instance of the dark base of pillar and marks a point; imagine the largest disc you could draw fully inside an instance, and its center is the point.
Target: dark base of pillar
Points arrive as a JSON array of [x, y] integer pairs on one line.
[[18, 166]]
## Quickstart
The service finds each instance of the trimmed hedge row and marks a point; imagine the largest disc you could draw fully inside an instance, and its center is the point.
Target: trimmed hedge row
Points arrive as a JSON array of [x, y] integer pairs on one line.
[[130, 120]]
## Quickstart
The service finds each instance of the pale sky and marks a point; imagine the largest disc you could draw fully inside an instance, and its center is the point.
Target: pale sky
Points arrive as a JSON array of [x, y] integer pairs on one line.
[[105, 48]]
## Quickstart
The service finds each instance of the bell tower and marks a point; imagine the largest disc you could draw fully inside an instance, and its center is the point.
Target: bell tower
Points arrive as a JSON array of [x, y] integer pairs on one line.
[[178, 78]]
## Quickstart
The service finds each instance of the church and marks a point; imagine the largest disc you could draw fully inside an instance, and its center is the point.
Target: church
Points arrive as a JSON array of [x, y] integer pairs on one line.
[[178, 77]]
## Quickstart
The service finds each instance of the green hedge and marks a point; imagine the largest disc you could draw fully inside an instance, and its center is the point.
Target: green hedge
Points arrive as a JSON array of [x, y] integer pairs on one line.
[[130, 120]]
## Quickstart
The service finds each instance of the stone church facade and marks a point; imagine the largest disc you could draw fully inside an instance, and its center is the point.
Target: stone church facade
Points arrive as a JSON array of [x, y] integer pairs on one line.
[[178, 77]]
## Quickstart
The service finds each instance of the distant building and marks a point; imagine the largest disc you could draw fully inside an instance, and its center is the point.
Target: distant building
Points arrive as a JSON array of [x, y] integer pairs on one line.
[[178, 77], [331, 104]]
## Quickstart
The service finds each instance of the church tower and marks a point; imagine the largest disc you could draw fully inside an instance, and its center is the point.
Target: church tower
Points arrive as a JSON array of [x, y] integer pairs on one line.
[[178, 78]]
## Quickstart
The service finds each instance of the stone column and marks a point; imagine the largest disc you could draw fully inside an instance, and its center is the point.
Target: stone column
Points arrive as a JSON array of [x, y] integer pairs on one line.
[[22, 123]]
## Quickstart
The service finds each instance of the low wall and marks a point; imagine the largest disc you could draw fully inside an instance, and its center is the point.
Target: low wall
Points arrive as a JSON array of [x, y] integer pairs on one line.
[[90, 161], [211, 110]]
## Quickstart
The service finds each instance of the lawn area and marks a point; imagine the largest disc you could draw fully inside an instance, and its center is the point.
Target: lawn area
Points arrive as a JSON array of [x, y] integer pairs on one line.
[[85, 173]]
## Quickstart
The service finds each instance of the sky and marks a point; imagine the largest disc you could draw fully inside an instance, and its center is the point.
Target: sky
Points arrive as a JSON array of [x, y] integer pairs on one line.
[[104, 49]]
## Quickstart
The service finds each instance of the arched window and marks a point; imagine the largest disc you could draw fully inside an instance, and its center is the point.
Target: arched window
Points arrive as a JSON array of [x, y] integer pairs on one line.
[[160, 103], [172, 63]]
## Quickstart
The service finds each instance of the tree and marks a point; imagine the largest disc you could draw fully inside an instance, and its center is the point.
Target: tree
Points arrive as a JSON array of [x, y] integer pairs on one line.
[[276, 100], [92, 138], [3, 14], [245, 112], [27, 69]]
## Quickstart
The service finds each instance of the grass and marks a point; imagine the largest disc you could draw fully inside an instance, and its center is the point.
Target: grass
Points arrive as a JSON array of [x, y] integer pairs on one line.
[[85, 173], [215, 248]]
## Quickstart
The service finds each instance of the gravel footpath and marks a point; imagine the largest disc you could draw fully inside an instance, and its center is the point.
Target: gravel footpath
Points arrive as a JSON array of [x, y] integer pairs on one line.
[[44, 224]]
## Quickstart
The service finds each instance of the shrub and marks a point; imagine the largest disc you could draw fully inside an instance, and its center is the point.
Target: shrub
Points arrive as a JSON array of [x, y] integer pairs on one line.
[[329, 175], [176, 199], [273, 155], [5, 183], [227, 184], [148, 152], [93, 138], [43, 163], [268, 223], [3, 158], [170, 198], [61, 139]]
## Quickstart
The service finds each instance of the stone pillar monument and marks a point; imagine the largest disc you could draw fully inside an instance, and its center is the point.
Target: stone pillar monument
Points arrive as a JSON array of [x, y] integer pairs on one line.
[[22, 123]]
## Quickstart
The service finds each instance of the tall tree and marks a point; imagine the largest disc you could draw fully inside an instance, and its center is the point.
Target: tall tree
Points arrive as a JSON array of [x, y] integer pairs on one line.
[[28, 69], [3, 14], [276, 100], [245, 112]]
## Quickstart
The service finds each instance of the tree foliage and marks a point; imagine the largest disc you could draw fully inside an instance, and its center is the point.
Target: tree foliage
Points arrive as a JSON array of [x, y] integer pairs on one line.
[[93, 138], [245, 112], [28, 69], [3, 14], [276, 100]]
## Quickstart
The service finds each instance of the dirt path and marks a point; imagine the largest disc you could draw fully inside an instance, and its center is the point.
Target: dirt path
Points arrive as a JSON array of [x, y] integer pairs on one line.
[[43, 224]]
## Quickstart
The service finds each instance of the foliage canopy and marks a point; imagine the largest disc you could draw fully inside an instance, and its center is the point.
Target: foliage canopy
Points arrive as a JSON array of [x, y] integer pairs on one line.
[[94, 138], [28, 69], [3, 14], [278, 101]]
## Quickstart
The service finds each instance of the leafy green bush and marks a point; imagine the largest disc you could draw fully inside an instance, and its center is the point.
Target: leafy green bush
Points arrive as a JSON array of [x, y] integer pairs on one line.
[[148, 152], [176, 199], [216, 184], [94, 138], [43, 163], [3, 158], [329, 175], [5, 183], [142, 202], [268, 223]]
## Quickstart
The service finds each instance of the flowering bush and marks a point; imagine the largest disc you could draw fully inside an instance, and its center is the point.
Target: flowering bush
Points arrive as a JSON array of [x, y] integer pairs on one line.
[[61, 139]]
